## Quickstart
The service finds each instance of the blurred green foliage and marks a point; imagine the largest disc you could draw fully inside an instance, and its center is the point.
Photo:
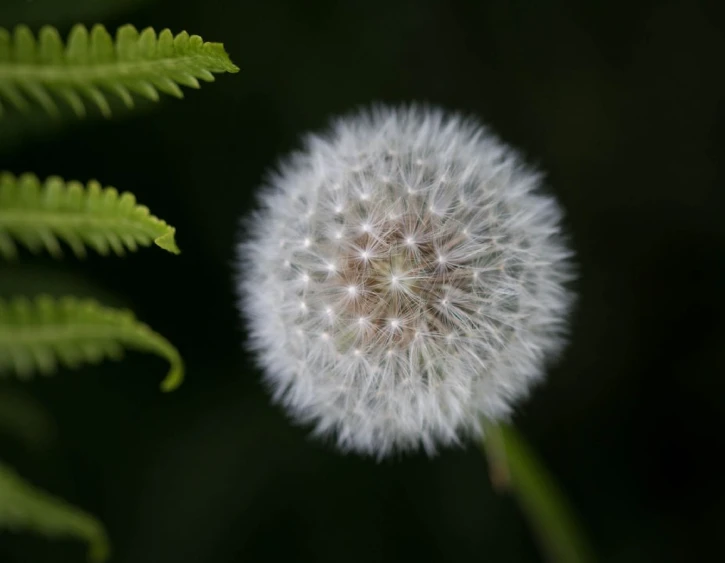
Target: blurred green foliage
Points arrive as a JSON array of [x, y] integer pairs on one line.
[[39, 334], [24, 507]]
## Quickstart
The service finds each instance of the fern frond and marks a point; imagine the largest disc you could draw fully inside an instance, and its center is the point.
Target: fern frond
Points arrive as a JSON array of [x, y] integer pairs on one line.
[[92, 64], [37, 335], [39, 215], [24, 507]]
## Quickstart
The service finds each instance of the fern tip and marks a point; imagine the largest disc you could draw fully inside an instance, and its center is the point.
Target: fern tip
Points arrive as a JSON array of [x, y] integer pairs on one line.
[[173, 379], [168, 242]]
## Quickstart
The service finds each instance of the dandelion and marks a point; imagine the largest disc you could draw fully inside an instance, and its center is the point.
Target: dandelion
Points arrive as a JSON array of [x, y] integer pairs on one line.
[[404, 277]]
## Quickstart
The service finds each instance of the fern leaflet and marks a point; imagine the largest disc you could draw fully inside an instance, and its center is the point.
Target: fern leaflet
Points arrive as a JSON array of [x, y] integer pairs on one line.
[[40, 214], [37, 335], [23, 506], [93, 64]]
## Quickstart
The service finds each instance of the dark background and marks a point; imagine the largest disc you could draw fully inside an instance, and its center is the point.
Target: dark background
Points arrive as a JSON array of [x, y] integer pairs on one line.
[[621, 102]]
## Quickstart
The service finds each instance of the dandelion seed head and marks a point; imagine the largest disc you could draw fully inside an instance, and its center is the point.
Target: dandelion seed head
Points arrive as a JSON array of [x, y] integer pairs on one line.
[[435, 280]]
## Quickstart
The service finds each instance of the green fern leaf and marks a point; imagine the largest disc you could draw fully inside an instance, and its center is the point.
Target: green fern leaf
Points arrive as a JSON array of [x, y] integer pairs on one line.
[[39, 215], [91, 65], [37, 335], [24, 507]]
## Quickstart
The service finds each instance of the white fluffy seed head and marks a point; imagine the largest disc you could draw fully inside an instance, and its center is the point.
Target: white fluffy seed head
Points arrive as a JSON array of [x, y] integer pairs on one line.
[[403, 278]]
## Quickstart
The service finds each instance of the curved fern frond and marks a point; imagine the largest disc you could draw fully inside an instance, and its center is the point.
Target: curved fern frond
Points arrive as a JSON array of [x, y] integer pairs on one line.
[[37, 335], [93, 64], [39, 215], [24, 507]]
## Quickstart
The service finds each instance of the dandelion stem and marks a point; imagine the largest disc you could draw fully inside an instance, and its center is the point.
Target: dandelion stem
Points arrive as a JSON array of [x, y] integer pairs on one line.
[[514, 468]]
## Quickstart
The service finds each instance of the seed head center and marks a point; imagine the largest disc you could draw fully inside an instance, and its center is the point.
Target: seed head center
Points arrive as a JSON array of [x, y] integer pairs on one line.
[[395, 286]]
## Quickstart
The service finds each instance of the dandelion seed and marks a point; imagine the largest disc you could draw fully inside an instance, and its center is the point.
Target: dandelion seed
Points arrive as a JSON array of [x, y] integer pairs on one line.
[[438, 312]]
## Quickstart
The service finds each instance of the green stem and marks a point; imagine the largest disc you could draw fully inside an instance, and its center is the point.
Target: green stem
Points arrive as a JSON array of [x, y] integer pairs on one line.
[[514, 468], [99, 72]]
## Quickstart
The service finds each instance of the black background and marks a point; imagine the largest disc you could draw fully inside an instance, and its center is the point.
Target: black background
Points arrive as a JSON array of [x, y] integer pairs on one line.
[[621, 102]]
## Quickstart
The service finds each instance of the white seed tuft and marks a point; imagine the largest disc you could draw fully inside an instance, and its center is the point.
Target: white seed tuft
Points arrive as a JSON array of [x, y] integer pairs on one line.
[[433, 273]]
